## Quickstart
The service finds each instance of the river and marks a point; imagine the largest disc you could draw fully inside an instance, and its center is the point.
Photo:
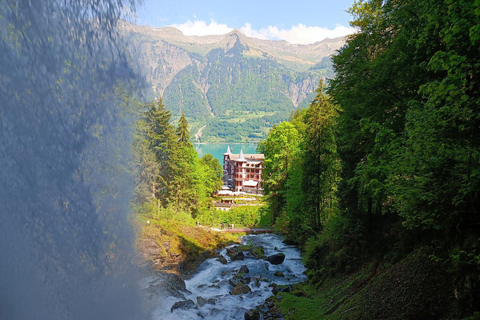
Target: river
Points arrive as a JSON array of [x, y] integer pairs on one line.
[[218, 149], [211, 282]]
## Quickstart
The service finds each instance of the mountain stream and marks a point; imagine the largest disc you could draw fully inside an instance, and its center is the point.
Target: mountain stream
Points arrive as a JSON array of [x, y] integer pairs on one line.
[[211, 290]]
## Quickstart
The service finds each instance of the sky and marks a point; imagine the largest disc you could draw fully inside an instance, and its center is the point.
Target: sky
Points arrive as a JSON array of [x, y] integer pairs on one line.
[[296, 21]]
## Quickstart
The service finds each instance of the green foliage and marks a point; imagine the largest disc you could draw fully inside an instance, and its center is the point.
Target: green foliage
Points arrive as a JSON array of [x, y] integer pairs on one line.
[[241, 216], [406, 134], [213, 173], [321, 163], [182, 130], [169, 173], [281, 149]]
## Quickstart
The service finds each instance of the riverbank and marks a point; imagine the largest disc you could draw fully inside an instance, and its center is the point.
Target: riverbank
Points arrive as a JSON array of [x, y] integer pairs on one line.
[[416, 287], [177, 247]]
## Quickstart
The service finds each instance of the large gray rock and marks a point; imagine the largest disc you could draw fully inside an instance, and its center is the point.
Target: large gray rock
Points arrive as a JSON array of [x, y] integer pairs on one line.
[[241, 289], [183, 305], [170, 283], [276, 258]]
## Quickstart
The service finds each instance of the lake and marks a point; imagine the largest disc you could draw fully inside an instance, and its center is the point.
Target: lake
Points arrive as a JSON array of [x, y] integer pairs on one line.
[[218, 149]]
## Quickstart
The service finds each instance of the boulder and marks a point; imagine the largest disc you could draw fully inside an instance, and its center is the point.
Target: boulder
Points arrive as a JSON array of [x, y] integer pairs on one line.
[[232, 252], [239, 256], [170, 283], [212, 301], [276, 258], [281, 289], [222, 259], [201, 301], [279, 274], [175, 282], [252, 314], [244, 269], [245, 280], [232, 282], [258, 252], [183, 305], [240, 289]]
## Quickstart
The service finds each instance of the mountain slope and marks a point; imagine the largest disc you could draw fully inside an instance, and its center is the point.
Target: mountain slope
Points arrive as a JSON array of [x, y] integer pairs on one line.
[[237, 86]]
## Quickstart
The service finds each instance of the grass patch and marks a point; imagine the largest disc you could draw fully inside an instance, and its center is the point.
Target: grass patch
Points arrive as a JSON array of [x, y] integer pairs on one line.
[[177, 246]]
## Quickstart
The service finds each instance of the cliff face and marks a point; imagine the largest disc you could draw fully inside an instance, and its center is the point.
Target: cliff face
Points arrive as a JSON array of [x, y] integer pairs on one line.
[[238, 86]]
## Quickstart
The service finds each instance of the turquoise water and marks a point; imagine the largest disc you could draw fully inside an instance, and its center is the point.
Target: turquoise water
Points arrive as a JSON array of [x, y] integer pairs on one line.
[[218, 149]]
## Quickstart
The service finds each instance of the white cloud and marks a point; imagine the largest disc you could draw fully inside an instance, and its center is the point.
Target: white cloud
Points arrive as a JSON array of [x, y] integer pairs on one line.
[[201, 28], [299, 34]]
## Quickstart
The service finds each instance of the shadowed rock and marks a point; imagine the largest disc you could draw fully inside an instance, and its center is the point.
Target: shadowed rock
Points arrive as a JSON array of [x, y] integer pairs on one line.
[[183, 305], [276, 258]]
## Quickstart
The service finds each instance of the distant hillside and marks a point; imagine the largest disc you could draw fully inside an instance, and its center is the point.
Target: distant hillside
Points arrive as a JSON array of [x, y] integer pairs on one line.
[[237, 86]]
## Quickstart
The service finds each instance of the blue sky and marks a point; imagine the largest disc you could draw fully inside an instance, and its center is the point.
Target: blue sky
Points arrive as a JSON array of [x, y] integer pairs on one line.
[[300, 21]]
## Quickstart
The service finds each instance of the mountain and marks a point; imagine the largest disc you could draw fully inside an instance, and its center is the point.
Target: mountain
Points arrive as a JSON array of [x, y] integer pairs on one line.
[[234, 87]]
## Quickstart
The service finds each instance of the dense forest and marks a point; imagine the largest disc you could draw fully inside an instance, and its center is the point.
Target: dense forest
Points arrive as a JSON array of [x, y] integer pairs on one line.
[[383, 168]]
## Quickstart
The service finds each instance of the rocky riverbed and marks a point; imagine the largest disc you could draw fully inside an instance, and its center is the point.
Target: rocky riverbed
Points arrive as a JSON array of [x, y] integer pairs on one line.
[[233, 285]]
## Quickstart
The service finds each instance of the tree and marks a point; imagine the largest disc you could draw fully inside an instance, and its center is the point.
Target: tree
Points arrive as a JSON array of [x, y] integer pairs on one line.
[[321, 164], [280, 149], [182, 130], [213, 173], [160, 136]]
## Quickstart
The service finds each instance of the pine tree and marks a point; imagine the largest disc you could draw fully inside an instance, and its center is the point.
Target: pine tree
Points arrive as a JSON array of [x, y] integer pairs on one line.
[[182, 130]]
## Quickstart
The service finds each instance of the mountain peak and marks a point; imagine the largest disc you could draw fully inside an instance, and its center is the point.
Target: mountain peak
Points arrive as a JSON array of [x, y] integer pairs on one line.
[[236, 32]]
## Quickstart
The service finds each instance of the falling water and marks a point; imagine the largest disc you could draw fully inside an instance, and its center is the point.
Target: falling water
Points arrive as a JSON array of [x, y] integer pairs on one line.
[[65, 242]]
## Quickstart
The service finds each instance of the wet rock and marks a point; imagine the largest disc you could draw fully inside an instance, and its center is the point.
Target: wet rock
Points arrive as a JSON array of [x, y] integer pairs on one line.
[[252, 314], [276, 258], [244, 269], [279, 274], [232, 252], [258, 252], [245, 280], [240, 289], [232, 282], [222, 259], [212, 301], [170, 283], [281, 289], [201, 301], [224, 273], [238, 256], [183, 305], [176, 282]]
